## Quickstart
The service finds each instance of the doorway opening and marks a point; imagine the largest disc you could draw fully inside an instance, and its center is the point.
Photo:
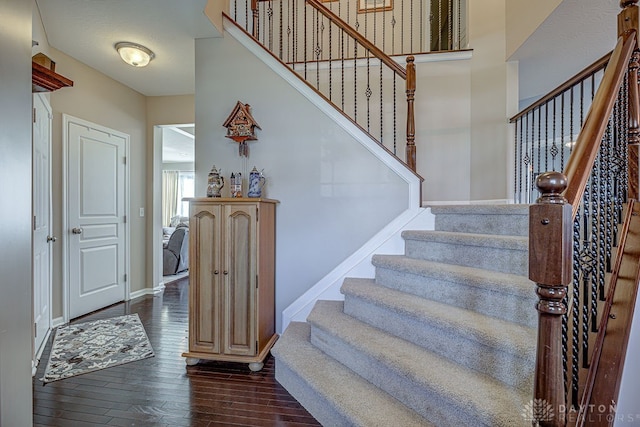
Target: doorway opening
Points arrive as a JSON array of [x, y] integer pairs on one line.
[[173, 181]]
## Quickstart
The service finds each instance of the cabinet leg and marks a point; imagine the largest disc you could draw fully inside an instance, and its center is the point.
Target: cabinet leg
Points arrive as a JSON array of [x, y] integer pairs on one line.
[[256, 366], [190, 361]]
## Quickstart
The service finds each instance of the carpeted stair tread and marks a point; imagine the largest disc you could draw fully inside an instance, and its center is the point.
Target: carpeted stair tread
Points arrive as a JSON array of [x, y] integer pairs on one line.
[[331, 392], [461, 286], [495, 209], [458, 335], [497, 333], [518, 243], [507, 254], [446, 393], [487, 219], [507, 283]]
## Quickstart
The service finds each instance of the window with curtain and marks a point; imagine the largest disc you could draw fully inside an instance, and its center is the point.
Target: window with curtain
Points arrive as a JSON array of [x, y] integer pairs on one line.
[[186, 188], [175, 186]]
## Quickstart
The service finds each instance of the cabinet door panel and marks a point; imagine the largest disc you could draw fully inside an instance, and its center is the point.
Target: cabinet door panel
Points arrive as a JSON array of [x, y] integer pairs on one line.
[[240, 279], [205, 235]]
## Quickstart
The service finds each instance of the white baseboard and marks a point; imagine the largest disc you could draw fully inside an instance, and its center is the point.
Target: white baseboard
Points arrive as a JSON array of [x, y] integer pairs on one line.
[[58, 321], [36, 360], [147, 291], [387, 241]]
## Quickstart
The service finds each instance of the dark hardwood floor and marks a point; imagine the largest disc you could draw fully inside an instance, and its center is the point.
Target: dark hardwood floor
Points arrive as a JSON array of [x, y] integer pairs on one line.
[[162, 391]]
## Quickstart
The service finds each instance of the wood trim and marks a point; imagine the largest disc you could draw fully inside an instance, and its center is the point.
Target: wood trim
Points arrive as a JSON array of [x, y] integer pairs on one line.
[[411, 127], [587, 146], [591, 69], [46, 80], [377, 52]]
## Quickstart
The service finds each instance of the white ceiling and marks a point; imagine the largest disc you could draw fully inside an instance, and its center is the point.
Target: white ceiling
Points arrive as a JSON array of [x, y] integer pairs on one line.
[[87, 30], [178, 144]]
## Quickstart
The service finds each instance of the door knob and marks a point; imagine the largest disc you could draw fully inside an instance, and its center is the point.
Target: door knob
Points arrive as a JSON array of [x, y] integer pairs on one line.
[[77, 230], [51, 239]]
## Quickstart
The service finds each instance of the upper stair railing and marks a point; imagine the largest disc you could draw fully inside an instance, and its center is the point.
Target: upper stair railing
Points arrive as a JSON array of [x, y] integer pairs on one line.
[[407, 27], [346, 69], [574, 229]]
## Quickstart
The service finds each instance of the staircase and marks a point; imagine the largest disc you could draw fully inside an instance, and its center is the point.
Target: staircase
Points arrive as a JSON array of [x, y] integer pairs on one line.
[[444, 335]]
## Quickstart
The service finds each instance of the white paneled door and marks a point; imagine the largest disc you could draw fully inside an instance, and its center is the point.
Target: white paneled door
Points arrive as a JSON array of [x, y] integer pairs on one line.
[[42, 232], [96, 216]]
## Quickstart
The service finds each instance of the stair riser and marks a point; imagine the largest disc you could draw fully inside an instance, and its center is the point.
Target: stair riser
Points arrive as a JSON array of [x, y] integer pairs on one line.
[[428, 403], [490, 258], [508, 307], [313, 402], [515, 370], [513, 225]]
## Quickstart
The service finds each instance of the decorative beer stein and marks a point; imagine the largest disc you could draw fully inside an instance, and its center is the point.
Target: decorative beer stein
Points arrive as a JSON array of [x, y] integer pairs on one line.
[[256, 182], [236, 184], [215, 182]]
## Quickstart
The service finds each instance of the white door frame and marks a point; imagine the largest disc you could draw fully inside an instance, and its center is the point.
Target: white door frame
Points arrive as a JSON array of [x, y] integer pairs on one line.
[[37, 352], [66, 119]]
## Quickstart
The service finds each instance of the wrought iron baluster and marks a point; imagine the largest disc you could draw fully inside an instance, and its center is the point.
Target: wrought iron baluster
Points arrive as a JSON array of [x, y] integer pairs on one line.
[[330, 60], [554, 148], [546, 136], [562, 132], [281, 32], [395, 114], [585, 267], [381, 110], [575, 313]]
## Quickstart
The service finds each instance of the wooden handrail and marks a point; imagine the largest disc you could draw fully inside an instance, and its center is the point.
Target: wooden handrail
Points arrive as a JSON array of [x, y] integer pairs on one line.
[[587, 146], [383, 57], [591, 69]]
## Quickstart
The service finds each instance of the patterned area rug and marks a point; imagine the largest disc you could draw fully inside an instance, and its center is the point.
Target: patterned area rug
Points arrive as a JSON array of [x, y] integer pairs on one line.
[[91, 346]]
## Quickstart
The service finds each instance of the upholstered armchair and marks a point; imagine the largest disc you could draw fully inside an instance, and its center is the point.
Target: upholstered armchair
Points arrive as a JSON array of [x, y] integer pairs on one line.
[[175, 256]]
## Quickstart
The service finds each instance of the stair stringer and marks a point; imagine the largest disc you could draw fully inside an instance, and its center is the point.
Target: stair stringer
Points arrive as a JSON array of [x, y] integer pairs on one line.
[[413, 180]]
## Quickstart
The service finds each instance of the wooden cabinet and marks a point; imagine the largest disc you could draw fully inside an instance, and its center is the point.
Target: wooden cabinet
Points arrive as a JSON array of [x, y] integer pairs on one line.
[[231, 280]]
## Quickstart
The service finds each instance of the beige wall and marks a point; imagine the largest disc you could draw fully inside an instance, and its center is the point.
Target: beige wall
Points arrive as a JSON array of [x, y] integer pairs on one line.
[[523, 18], [213, 10], [101, 100], [161, 110], [493, 101]]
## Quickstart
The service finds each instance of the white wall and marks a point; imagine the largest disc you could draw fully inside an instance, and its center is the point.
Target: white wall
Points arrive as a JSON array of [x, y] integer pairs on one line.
[[334, 194], [15, 216]]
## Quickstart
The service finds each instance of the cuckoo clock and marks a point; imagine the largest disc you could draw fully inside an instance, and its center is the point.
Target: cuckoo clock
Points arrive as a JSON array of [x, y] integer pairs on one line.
[[241, 127]]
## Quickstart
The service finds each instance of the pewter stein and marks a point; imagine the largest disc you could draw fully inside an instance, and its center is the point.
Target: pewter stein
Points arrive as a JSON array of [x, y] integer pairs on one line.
[[215, 182]]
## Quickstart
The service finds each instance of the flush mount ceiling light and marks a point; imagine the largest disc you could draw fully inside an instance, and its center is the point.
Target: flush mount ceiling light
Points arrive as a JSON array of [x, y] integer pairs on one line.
[[134, 54]]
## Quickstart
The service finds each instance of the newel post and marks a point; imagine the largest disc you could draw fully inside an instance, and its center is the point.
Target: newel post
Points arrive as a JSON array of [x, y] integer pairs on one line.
[[411, 124], [550, 263]]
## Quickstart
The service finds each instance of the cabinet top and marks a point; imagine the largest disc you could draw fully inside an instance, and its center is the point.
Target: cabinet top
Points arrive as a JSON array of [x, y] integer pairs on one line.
[[229, 200]]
